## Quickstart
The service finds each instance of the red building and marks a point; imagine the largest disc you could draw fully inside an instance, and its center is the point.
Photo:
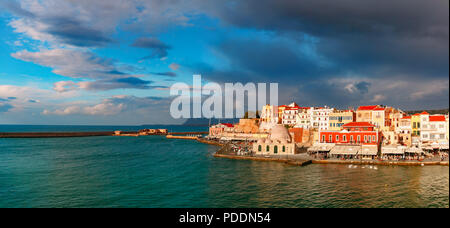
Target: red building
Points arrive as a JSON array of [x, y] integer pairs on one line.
[[354, 133]]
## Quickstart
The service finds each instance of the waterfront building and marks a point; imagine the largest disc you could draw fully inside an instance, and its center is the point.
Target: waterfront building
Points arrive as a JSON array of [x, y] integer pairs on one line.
[[433, 130], [279, 142], [320, 118], [415, 122], [381, 118], [403, 131], [218, 129], [394, 118], [354, 133], [357, 140], [303, 118], [364, 113], [289, 113], [269, 114], [338, 118], [281, 109]]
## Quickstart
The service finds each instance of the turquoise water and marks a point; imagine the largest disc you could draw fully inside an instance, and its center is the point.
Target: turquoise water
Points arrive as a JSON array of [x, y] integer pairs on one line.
[[152, 171]]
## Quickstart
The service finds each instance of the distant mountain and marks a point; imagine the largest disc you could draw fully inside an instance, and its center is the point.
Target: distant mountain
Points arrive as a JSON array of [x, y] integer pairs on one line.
[[205, 121], [432, 112]]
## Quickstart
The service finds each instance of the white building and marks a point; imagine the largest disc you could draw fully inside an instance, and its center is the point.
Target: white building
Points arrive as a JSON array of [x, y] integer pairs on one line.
[[434, 129], [303, 118], [289, 114], [320, 117], [279, 142]]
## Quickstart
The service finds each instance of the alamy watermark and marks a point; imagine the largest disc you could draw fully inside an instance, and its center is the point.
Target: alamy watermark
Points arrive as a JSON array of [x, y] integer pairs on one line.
[[214, 101]]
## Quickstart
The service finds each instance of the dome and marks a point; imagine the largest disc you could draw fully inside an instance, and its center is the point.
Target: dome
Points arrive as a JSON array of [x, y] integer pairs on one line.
[[280, 133]]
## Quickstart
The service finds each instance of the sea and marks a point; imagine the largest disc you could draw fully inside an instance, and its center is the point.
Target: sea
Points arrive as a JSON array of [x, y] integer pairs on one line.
[[155, 172]]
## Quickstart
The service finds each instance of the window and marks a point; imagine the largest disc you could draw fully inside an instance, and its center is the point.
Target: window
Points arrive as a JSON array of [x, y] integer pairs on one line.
[[337, 138], [345, 138], [373, 138], [359, 138], [351, 138], [331, 138], [275, 149], [365, 138], [259, 148], [284, 149], [267, 148]]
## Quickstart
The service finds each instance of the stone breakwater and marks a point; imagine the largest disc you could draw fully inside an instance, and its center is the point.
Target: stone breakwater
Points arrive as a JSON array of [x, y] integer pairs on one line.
[[53, 134], [84, 134]]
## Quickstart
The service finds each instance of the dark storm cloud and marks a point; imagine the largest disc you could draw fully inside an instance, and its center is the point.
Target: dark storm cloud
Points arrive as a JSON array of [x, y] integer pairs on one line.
[[75, 33], [357, 42], [64, 28], [120, 83], [168, 74], [363, 87], [157, 47], [15, 8], [405, 36], [258, 60]]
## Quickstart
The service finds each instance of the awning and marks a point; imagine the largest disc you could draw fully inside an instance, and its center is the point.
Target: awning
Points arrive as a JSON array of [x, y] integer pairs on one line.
[[321, 147], [345, 150], [369, 150], [414, 150], [392, 150]]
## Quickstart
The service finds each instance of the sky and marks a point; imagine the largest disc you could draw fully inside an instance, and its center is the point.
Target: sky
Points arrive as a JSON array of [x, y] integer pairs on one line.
[[112, 62]]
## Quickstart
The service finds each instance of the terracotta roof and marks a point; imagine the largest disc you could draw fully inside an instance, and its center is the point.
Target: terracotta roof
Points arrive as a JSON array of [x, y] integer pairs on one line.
[[368, 107], [437, 118], [358, 124], [227, 124], [422, 113], [406, 117], [379, 109]]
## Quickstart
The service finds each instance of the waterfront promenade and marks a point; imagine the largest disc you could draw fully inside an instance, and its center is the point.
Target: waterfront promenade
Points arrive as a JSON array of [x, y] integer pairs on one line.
[[304, 159]]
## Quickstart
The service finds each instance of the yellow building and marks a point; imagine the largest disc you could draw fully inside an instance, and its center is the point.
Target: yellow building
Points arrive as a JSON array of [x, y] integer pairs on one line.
[[339, 118], [415, 123], [364, 113], [379, 118]]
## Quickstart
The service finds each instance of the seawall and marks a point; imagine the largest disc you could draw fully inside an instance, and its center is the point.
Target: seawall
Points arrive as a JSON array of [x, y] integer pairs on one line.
[[53, 134], [286, 161], [408, 163]]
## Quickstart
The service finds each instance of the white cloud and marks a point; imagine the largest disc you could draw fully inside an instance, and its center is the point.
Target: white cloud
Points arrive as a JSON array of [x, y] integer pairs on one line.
[[377, 98], [71, 63]]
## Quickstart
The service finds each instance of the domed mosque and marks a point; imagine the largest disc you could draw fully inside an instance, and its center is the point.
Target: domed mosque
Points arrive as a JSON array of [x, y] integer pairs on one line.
[[279, 142]]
